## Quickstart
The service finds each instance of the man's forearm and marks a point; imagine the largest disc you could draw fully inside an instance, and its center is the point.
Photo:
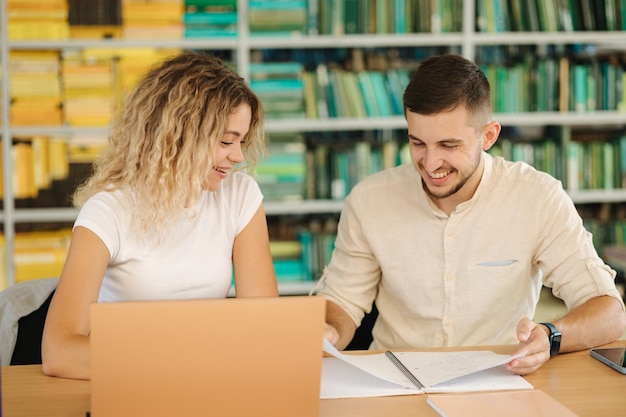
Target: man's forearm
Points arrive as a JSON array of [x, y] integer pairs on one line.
[[598, 321]]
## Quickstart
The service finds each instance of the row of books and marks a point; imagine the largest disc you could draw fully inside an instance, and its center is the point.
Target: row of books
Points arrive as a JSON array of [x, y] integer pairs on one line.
[[37, 19], [282, 172], [84, 88], [328, 165], [550, 15], [62, 19], [584, 164], [40, 161], [333, 169], [39, 254], [287, 90], [210, 18], [303, 254], [173, 19], [301, 257], [607, 224], [289, 171], [557, 84], [74, 87]]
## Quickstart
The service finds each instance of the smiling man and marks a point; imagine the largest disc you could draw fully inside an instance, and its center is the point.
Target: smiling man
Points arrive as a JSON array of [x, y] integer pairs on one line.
[[455, 247]]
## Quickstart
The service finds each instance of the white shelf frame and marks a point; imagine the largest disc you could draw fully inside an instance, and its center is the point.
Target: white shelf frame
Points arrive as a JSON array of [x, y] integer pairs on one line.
[[242, 45]]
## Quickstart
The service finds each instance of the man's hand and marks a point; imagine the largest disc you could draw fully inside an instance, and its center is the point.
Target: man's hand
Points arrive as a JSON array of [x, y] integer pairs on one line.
[[534, 346]]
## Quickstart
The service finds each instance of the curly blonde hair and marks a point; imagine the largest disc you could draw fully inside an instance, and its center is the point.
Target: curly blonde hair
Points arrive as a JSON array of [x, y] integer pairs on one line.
[[161, 147]]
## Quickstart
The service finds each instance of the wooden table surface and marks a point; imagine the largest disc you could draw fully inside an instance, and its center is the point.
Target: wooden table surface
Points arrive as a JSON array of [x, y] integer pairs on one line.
[[581, 383]]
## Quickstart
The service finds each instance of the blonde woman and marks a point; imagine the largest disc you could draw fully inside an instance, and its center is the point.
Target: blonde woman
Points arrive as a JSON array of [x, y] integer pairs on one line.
[[169, 212]]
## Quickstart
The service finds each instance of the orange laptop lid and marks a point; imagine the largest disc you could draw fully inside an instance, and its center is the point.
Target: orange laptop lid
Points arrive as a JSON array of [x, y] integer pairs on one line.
[[223, 357]]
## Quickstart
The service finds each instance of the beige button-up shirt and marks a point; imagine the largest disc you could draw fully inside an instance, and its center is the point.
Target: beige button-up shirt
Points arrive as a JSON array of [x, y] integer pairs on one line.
[[464, 279]]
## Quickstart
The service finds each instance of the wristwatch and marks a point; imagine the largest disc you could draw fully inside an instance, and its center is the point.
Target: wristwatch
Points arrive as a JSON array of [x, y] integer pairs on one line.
[[555, 338]]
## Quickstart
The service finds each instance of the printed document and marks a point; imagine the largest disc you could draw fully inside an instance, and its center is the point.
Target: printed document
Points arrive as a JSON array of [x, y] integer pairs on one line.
[[379, 374]]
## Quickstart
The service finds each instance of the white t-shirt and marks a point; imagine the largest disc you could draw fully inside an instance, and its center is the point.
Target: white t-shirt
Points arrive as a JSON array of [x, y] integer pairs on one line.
[[194, 261]]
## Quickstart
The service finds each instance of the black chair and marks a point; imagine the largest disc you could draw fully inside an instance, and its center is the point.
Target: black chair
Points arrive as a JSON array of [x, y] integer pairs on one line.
[[23, 310], [27, 349], [363, 334]]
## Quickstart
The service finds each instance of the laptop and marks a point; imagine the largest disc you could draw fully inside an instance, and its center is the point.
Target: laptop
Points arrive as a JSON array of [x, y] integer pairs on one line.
[[221, 357]]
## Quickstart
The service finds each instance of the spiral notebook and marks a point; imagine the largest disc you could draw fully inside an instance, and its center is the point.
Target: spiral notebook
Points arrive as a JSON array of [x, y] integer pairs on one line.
[[226, 357]]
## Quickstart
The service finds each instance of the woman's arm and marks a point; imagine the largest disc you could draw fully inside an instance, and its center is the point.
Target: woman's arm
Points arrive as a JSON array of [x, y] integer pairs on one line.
[[252, 260], [65, 345]]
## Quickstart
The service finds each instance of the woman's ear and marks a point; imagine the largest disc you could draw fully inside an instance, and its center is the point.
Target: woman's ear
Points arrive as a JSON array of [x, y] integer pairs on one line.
[[490, 134]]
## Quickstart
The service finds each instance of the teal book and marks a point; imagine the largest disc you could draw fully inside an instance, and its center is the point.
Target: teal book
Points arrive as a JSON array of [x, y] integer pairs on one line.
[[369, 96], [591, 89], [580, 88], [399, 16], [290, 270], [284, 69], [312, 16], [224, 18], [381, 92], [333, 106], [306, 258], [396, 79]]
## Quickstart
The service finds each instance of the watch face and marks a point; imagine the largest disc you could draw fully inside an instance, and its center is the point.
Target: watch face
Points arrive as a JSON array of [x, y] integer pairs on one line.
[[555, 343], [555, 338]]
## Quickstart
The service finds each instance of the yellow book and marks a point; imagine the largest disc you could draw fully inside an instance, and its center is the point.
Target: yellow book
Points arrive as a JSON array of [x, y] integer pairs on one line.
[[23, 171], [40, 254], [59, 163], [41, 158]]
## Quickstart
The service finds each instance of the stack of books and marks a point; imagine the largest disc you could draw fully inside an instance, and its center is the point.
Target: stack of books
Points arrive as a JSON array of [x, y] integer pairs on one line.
[[40, 254], [37, 19], [281, 173], [331, 91], [35, 88], [152, 19], [280, 87], [208, 18], [38, 161], [89, 90], [288, 262], [278, 17]]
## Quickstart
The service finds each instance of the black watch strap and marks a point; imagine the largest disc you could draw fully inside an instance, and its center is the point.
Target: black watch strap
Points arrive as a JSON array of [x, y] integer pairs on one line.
[[555, 338]]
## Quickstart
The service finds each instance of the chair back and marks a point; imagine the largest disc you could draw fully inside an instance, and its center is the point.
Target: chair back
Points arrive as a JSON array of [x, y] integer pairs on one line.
[[23, 310]]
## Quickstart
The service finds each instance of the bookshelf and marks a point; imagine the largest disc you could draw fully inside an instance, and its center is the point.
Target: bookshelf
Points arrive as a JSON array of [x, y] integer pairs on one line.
[[244, 45]]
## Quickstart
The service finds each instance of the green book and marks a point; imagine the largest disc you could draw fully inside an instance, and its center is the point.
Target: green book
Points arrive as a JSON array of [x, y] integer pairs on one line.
[[354, 98]]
